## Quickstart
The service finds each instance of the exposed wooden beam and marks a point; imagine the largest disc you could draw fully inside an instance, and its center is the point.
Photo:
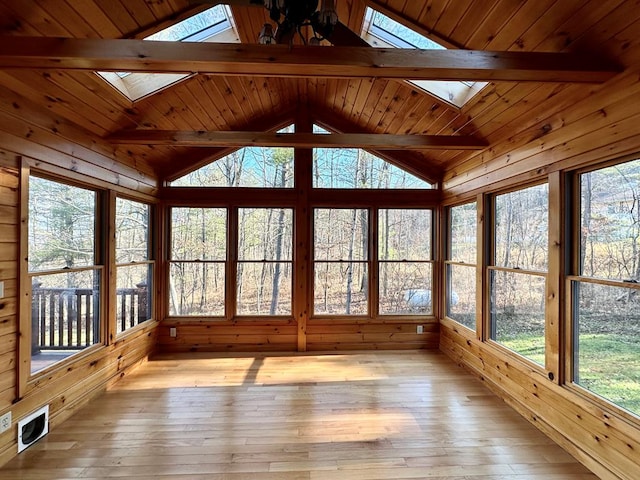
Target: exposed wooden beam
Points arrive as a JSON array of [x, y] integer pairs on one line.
[[299, 140], [304, 61]]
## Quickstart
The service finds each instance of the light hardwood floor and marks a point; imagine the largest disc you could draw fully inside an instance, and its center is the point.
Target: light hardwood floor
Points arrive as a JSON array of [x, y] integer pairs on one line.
[[364, 416]]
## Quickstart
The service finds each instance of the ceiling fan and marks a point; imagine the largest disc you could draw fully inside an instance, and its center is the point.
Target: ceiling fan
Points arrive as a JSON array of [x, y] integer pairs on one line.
[[291, 16]]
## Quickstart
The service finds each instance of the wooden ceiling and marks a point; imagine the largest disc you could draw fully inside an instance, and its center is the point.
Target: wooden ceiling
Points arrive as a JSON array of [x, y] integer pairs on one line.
[[212, 103]]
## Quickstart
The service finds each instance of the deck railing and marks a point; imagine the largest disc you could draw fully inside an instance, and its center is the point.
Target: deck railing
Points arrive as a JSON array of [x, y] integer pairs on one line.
[[68, 318]]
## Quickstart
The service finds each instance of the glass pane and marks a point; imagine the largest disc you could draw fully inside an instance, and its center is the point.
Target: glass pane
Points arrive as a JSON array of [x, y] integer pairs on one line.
[[607, 343], [355, 168], [521, 236], [132, 231], [62, 222], [133, 295], [517, 313], [340, 288], [198, 233], [340, 234], [461, 295], [265, 234], [197, 289], [182, 31], [405, 288], [257, 167], [404, 234], [65, 315], [610, 222], [264, 288], [464, 227]]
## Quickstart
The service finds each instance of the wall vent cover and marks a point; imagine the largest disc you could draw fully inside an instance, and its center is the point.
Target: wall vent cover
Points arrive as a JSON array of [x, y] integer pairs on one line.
[[33, 427]]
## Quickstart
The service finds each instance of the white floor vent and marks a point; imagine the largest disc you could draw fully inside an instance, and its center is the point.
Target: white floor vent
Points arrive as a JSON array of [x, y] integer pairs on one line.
[[33, 427]]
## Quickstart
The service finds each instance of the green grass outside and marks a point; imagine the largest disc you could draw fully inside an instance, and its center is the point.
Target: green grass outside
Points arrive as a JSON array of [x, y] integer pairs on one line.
[[609, 365]]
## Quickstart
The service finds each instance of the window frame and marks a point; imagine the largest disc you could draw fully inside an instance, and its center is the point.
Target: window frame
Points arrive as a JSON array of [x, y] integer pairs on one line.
[[574, 278], [449, 262], [26, 378], [150, 262], [491, 267]]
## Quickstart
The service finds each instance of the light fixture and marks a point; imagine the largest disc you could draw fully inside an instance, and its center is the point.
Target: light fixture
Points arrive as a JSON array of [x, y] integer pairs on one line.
[[292, 15]]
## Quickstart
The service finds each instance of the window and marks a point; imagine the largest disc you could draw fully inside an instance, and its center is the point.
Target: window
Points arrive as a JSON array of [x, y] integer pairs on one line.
[[405, 266], [382, 31], [518, 271], [212, 25], [461, 265], [264, 269], [198, 260], [341, 271], [606, 293], [134, 267], [355, 168], [257, 167], [65, 270]]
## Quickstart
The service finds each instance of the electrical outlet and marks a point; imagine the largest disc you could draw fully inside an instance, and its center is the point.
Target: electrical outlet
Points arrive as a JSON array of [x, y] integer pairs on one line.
[[420, 329], [5, 422], [173, 332], [1, 289]]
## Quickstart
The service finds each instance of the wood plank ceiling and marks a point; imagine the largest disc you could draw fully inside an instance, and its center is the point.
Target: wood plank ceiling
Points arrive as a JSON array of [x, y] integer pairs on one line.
[[218, 103]]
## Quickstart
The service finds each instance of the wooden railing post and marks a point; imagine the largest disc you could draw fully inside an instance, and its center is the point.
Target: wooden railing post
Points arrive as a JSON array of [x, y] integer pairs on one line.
[[35, 318], [143, 302]]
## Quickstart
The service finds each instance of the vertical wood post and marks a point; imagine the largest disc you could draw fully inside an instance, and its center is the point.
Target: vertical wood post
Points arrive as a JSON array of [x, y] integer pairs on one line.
[[555, 276], [303, 160]]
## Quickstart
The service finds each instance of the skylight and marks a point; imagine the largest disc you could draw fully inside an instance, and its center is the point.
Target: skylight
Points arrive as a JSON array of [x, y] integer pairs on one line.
[[384, 32], [212, 25]]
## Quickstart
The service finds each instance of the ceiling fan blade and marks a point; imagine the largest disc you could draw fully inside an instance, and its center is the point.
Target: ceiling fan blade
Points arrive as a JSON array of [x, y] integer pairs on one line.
[[343, 36], [233, 3]]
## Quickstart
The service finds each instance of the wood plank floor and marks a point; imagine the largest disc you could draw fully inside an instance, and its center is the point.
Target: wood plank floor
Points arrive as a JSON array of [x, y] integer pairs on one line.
[[364, 416]]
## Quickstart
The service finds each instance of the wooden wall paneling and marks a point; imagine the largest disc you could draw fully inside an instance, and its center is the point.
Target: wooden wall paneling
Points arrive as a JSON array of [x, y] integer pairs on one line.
[[383, 104], [41, 21], [603, 441], [492, 101], [454, 12], [581, 121], [481, 35], [181, 114], [64, 162], [97, 19], [258, 95], [545, 115], [12, 25], [118, 14], [618, 20], [231, 92], [140, 11], [91, 103], [18, 111], [355, 17], [214, 88], [20, 83], [473, 20], [573, 29], [196, 105], [198, 89], [530, 12], [68, 18], [352, 334], [547, 24], [234, 336]]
